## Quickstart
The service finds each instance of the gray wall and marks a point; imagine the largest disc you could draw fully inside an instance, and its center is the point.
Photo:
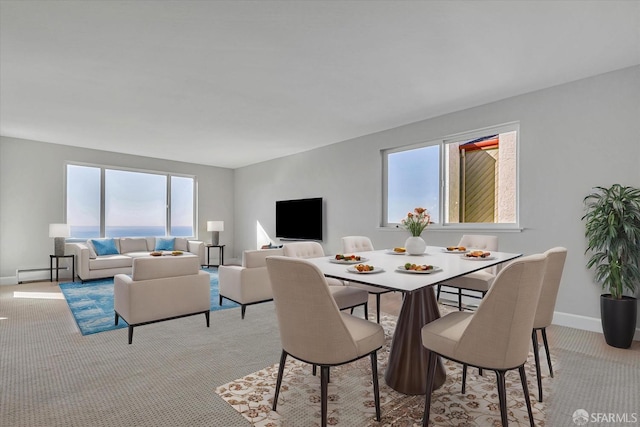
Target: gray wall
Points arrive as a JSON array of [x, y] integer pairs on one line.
[[32, 197], [572, 137]]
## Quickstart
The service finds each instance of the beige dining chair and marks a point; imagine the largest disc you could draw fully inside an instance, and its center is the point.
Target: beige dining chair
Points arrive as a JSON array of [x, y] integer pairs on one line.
[[312, 328], [478, 281], [496, 335], [347, 297], [353, 244], [546, 306]]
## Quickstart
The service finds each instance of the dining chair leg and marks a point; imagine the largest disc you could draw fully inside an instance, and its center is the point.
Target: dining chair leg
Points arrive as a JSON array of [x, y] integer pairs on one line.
[[283, 359], [324, 381], [314, 371], [536, 356], [525, 390], [378, 308], [546, 348], [431, 373], [438, 293], [459, 299], [376, 388], [366, 311], [464, 378], [502, 396]]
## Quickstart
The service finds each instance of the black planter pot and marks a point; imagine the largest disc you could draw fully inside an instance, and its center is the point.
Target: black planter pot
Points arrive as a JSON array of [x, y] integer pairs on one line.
[[618, 320]]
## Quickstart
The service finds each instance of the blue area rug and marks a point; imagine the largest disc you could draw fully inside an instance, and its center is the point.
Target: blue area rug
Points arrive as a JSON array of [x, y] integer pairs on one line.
[[91, 303]]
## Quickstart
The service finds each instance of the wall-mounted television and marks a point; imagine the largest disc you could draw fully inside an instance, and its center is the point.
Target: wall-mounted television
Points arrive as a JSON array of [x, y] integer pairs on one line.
[[299, 219]]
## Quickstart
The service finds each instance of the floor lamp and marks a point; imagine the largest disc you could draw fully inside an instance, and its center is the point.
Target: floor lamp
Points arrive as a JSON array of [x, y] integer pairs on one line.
[[215, 227]]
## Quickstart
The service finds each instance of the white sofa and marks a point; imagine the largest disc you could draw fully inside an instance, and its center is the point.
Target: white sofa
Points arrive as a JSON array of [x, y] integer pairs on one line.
[[90, 265], [161, 288], [249, 283]]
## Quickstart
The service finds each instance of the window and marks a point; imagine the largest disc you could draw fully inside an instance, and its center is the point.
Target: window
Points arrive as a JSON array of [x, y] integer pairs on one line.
[[109, 202], [464, 180]]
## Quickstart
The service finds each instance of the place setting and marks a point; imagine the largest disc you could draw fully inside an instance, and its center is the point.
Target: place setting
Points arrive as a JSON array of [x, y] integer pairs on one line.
[[348, 259], [411, 268], [365, 269]]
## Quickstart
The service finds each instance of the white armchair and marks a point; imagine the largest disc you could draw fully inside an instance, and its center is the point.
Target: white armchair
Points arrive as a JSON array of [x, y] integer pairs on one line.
[[247, 284], [161, 288]]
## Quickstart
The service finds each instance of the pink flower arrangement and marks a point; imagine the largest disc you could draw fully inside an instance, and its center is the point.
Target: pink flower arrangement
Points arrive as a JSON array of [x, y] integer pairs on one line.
[[417, 221]]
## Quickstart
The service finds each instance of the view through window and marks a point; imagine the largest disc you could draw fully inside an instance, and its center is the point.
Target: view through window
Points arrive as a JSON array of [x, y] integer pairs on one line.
[[462, 180], [107, 202]]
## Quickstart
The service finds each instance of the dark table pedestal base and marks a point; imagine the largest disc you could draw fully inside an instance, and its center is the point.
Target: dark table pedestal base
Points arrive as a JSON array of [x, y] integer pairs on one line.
[[408, 359]]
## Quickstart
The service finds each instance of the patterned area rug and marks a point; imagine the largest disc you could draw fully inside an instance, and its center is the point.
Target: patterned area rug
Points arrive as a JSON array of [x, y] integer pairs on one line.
[[351, 395], [91, 303]]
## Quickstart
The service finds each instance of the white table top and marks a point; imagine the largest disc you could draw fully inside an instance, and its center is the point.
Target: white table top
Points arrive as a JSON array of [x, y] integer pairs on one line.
[[451, 265]]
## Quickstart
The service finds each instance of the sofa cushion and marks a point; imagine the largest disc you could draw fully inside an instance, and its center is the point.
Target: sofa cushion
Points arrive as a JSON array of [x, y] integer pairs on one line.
[[104, 247], [133, 245], [181, 244], [158, 267], [165, 243], [110, 261], [92, 250]]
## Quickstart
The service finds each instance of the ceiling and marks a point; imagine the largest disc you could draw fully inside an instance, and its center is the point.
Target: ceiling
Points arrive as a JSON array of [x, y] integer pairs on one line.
[[233, 83]]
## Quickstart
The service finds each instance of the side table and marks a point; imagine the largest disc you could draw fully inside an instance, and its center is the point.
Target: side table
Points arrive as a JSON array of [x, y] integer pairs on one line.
[[221, 253], [57, 258]]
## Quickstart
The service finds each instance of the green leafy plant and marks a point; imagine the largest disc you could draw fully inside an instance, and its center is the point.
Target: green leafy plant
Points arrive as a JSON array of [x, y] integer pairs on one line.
[[612, 228]]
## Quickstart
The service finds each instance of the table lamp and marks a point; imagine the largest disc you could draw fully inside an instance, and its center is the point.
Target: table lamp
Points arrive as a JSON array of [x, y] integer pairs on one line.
[[215, 227], [59, 232]]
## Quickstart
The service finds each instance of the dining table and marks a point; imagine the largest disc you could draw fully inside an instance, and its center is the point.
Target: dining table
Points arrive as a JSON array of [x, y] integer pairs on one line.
[[406, 370]]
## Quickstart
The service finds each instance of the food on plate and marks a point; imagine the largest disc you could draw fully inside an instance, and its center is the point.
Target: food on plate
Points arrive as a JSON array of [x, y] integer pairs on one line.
[[399, 249], [456, 248], [156, 253], [364, 267], [174, 253], [418, 267], [341, 257], [478, 254]]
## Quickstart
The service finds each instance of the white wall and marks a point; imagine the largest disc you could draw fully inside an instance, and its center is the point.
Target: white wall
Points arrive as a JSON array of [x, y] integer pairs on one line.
[[572, 138], [32, 197]]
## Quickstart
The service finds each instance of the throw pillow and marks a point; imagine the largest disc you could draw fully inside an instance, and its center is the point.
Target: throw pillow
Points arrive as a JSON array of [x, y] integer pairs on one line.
[[164, 243], [105, 247]]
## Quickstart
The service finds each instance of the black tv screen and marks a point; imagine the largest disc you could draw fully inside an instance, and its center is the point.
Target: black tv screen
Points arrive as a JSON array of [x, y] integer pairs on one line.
[[299, 219]]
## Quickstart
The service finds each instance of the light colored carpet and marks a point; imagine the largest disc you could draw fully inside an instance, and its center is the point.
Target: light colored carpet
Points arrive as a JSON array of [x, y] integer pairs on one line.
[[51, 375]]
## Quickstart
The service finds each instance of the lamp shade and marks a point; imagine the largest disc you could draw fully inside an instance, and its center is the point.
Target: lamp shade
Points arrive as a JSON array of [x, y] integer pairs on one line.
[[215, 225], [59, 230]]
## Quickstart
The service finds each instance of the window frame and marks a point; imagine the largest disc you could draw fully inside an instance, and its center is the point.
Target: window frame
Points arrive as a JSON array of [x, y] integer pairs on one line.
[[442, 142], [168, 176]]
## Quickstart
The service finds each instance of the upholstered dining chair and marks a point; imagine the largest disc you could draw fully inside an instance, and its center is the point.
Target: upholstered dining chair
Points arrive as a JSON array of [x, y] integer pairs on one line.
[[352, 244], [347, 297], [478, 281], [496, 335], [312, 328], [546, 305]]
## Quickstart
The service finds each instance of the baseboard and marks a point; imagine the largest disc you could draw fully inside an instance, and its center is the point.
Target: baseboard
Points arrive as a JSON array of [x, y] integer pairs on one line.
[[585, 323]]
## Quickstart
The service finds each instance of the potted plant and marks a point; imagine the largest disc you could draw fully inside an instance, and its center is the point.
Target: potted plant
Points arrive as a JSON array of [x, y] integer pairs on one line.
[[612, 228]]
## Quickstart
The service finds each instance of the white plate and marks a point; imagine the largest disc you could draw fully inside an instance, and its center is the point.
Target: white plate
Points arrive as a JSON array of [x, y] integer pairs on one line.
[[446, 251], [473, 258], [401, 269], [342, 261], [392, 252], [375, 270]]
